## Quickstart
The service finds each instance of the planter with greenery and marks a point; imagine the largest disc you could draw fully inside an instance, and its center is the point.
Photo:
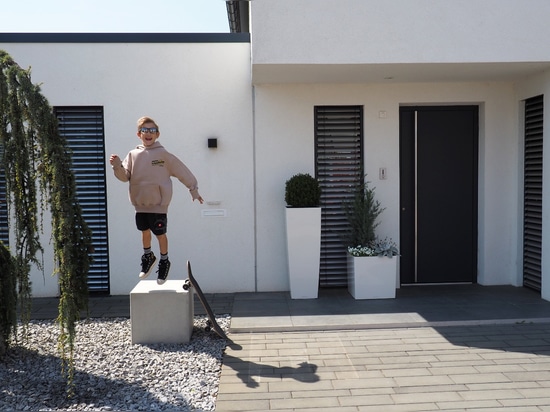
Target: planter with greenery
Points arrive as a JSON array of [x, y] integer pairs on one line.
[[303, 229], [372, 271]]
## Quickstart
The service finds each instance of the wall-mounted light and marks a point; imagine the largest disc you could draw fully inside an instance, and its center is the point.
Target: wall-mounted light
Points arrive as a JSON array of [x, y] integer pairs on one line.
[[212, 142]]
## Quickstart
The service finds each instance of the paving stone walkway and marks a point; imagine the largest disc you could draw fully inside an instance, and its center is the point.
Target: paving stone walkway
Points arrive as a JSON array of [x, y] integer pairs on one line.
[[452, 368], [455, 348]]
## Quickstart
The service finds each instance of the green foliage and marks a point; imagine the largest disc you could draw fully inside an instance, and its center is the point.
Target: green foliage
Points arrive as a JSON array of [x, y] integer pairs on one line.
[[302, 190], [37, 162], [385, 247], [378, 247], [361, 211], [8, 297]]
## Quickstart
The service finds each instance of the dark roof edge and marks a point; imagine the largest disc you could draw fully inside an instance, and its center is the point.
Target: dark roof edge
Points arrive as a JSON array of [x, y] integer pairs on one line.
[[238, 16], [124, 37]]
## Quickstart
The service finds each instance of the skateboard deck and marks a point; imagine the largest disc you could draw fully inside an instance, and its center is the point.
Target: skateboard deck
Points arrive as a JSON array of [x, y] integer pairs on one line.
[[212, 323]]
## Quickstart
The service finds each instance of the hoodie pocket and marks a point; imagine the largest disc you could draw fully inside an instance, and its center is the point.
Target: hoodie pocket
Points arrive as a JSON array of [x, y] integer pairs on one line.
[[145, 195]]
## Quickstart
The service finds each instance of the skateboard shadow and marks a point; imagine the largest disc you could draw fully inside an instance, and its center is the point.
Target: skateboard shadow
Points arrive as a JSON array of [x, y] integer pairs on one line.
[[247, 371]]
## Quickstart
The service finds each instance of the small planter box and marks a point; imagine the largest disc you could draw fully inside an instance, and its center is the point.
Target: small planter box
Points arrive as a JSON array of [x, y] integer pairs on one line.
[[372, 277]]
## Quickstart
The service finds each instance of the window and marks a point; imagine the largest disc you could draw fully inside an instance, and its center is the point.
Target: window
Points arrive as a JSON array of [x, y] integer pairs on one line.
[[83, 129], [4, 230], [339, 161], [532, 193]]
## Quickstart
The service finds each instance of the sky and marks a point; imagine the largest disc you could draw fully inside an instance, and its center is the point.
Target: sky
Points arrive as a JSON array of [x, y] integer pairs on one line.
[[113, 16]]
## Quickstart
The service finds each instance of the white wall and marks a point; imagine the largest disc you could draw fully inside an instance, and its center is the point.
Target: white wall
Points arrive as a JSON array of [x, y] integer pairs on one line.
[[285, 145], [399, 31], [194, 91]]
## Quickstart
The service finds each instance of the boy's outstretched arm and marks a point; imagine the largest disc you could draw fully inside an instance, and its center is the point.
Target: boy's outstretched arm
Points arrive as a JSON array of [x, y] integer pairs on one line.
[[120, 171], [185, 176]]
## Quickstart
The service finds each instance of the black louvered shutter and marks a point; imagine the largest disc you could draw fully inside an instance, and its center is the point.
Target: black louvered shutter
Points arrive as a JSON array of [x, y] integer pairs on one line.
[[4, 229], [84, 131], [339, 160], [532, 193]]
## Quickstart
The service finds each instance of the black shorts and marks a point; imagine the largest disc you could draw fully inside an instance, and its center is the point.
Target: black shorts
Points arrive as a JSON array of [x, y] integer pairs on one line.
[[156, 222]]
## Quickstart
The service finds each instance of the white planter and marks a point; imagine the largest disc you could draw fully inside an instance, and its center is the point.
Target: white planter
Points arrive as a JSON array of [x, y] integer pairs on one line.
[[303, 230], [372, 277]]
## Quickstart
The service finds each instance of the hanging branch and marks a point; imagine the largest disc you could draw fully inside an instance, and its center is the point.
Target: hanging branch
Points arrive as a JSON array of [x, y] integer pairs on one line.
[[36, 158], [8, 297]]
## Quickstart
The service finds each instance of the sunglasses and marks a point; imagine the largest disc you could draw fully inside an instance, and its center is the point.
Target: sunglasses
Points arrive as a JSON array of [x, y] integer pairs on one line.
[[148, 130]]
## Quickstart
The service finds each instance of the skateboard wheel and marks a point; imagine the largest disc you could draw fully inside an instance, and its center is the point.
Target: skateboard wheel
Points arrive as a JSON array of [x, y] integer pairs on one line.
[[207, 328]]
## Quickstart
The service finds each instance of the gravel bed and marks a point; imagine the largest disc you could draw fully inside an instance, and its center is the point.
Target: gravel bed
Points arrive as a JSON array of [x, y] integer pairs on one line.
[[112, 374]]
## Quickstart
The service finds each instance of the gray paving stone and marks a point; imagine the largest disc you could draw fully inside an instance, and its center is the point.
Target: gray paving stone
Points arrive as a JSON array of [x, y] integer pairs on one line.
[[243, 405], [363, 364], [324, 400]]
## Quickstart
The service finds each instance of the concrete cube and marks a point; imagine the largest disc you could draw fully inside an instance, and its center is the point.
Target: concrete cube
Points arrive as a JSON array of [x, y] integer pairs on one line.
[[161, 313]]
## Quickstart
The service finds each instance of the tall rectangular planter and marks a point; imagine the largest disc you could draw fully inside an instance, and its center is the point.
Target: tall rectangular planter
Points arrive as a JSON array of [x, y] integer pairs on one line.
[[372, 277], [303, 229]]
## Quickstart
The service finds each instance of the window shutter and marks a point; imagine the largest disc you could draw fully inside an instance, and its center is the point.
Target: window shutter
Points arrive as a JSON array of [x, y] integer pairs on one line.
[[339, 160], [4, 230], [532, 193], [83, 129]]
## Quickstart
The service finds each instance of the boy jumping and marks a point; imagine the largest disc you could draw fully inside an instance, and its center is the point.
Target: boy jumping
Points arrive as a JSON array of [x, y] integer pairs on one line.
[[149, 168]]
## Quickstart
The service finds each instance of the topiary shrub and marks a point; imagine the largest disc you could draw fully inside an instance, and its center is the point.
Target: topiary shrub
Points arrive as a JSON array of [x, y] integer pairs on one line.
[[302, 190]]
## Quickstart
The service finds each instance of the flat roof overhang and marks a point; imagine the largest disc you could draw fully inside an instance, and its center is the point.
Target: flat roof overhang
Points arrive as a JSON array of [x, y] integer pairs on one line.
[[395, 72]]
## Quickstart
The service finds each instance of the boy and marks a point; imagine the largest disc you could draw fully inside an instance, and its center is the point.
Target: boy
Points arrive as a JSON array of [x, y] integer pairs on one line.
[[149, 168]]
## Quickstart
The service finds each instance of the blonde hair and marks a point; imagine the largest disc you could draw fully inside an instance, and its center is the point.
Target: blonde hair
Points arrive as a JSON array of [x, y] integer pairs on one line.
[[146, 119]]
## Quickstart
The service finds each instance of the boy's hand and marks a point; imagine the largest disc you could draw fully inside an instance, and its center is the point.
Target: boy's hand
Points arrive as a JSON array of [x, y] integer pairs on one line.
[[114, 159], [196, 195]]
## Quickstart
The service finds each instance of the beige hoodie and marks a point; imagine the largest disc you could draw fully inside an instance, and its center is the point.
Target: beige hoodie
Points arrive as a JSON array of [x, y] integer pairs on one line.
[[149, 171]]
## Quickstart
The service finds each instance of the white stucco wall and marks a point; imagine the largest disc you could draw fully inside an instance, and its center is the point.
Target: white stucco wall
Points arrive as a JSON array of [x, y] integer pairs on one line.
[[399, 31], [197, 91], [194, 91], [285, 145]]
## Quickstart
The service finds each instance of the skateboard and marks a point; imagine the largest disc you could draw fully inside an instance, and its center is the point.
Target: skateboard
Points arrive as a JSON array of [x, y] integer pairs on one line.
[[212, 324]]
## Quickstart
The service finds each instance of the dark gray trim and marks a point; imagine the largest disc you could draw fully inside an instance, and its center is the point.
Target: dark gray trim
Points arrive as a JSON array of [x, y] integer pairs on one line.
[[237, 14], [124, 37]]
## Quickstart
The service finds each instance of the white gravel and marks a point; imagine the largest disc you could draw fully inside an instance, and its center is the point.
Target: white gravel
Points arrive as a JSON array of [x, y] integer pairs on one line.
[[112, 374]]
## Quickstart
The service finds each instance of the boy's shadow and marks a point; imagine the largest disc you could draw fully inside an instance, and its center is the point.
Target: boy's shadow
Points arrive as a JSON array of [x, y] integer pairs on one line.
[[246, 371]]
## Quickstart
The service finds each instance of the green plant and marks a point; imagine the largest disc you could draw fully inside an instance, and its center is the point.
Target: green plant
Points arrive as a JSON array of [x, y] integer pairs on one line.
[[8, 297], [302, 190], [37, 163], [385, 247], [361, 212], [378, 247]]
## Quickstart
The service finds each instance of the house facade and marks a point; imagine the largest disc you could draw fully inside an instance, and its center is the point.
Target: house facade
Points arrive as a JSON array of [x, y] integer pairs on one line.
[[442, 106], [446, 92]]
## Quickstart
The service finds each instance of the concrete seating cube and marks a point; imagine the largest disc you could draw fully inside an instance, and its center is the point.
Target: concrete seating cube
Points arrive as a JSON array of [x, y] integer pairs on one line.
[[161, 313]]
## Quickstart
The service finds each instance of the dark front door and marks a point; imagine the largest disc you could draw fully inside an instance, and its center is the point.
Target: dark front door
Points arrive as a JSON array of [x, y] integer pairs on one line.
[[438, 191]]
